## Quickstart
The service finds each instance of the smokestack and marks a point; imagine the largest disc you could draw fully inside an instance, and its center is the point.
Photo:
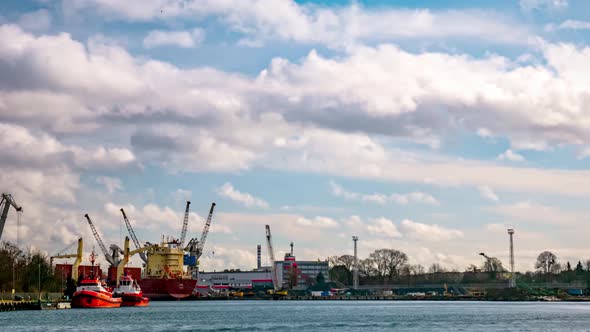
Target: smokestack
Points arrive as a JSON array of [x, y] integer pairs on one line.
[[258, 257], [512, 282], [355, 270]]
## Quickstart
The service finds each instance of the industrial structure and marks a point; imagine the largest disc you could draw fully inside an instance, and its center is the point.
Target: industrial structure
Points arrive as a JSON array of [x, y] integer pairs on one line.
[[5, 203], [78, 255], [512, 282], [355, 267]]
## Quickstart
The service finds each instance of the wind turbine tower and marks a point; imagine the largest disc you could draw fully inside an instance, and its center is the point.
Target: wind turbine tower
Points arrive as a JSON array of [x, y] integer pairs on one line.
[[512, 282]]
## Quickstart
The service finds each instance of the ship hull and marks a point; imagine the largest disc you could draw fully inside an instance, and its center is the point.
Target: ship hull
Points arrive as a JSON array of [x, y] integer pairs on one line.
[[91, 299], [133, 300], [167, 289]]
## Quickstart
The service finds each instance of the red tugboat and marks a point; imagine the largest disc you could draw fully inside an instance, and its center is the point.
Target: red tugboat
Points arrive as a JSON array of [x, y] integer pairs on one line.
[[91, 293], [130, 293]]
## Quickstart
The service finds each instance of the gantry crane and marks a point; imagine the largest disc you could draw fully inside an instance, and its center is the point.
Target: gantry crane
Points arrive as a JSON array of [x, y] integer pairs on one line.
[[271, 255], [195, 246], [77, 255], [5, 204], [184, 225], [112, 257], [134, 237], [127, 254]]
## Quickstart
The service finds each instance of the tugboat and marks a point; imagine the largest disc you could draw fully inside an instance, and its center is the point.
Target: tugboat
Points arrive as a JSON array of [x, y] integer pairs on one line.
[[91, 293], [129, 291]]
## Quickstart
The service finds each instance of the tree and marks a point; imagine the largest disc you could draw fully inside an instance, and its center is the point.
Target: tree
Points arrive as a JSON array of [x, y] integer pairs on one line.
[[493, 264], [340, 273], [547, 263], [579, 267], [436, 268], [568, 267], [388, 262], [588, 265], [366, 267]]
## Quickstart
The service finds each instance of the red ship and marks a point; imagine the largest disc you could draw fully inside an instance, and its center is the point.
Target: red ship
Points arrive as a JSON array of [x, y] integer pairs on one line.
[[167, 289], [91, 293], [129, 291]]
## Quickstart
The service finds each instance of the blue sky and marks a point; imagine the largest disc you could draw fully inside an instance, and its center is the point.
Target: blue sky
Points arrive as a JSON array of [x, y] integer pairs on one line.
[[425, 126]]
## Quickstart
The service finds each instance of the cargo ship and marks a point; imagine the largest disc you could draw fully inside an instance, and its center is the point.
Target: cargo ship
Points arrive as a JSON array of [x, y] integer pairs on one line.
[[164, 276]]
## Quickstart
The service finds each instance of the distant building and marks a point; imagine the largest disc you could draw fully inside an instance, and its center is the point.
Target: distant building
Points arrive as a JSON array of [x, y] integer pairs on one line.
[[304, 272]]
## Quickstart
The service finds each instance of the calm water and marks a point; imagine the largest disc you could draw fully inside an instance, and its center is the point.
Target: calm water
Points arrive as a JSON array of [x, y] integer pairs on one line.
[[310, 316]]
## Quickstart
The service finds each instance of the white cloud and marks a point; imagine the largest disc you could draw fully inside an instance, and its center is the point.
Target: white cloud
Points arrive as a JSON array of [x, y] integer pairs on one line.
[[568, 25], [528, 5], [488, 193], [111, 184], [413, 197], [320, 222], [428, 232], [228, 191], [383, 227], [184, 39], [510, 156], [343, 25], [536, 212]]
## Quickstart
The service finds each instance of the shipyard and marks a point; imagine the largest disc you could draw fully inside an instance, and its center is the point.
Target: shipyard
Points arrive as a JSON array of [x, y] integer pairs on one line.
[[171, 270], [294, 165]]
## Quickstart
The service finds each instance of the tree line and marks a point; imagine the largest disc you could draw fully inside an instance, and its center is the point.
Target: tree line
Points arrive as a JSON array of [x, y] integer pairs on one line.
[[25, 270], [385, 266]]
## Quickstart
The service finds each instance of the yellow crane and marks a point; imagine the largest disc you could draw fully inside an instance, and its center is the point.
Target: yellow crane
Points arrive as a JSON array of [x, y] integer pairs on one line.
[[127, 254], [77, 255]]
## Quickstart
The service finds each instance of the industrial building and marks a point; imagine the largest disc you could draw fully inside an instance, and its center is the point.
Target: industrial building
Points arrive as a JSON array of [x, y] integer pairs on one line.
[[305, 272]]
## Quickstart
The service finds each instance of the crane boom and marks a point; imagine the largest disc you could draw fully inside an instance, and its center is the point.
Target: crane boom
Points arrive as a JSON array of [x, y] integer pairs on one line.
[[103, 248], [133, 236], [7, 200], [77, 255], [127, 254], [184, 224], [271, 254], [201, 244]]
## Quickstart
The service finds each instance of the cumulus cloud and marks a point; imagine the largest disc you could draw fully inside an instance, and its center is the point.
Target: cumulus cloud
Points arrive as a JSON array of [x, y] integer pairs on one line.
[[183, 39], [288, 20], [488, 193], [321, 222], [510, 156], [413, 197], [228, 191], [383, 227], [428, 232]]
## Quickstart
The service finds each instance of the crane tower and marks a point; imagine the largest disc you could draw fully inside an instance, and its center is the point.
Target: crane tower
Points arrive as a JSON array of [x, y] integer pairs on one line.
[[5, 204]]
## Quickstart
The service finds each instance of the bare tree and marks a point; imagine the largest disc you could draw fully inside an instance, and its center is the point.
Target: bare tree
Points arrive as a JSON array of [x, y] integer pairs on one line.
[[588, 265], [388, 262], [436, 268], [547, 263], [366, 267], [345, 260]]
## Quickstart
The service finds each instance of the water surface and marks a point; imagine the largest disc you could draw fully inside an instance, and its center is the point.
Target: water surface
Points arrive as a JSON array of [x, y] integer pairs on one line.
[[310, 316]]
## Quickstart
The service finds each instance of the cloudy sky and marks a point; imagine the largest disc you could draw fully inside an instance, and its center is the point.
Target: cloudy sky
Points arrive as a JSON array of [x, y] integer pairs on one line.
[[425, 126]]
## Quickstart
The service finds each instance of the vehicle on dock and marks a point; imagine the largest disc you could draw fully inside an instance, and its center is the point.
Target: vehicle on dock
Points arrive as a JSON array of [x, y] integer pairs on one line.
[[91, 293], [130, 293]]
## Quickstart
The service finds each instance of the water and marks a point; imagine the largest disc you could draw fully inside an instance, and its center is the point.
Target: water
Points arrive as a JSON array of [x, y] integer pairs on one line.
[[310, 316]]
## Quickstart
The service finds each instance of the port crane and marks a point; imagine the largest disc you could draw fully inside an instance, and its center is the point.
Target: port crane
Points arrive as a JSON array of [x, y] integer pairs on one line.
[[184, 225], [195, 246], [142, 254], [127, 254], [5, 204], [77, 255], [112, 257], [277, 288]]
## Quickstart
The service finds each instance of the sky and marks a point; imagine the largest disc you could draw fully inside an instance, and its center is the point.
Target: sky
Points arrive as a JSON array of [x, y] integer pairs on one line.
[[424, 126]]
